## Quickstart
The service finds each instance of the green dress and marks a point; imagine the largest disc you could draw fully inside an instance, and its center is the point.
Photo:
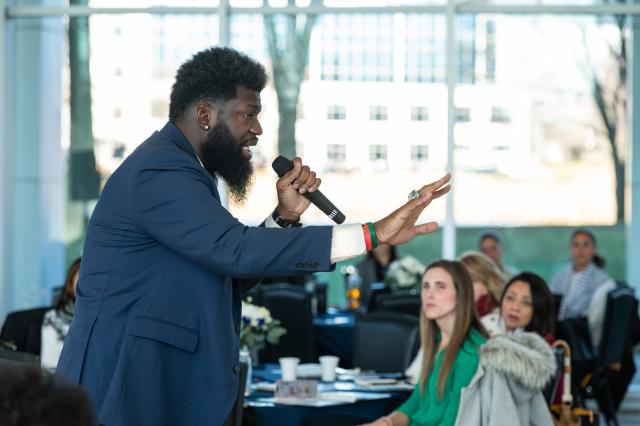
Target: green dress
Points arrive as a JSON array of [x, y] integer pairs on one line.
[[425, 409]]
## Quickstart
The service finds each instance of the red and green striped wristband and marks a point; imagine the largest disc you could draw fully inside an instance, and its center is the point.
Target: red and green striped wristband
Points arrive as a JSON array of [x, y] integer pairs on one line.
[[370, 237]]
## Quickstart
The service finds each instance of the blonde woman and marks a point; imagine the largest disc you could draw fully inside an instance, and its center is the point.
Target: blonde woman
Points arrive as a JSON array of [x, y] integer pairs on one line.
[[487, 281], [451, 336]]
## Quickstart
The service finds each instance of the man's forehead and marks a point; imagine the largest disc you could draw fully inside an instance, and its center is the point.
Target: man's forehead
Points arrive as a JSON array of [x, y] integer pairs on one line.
[[489, 242], [248, 96]]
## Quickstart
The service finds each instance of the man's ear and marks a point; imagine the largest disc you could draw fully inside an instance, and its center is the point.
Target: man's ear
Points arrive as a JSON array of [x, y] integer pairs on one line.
[[206, 116]]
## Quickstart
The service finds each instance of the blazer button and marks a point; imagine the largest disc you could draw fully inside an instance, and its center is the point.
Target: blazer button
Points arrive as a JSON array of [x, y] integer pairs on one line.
[[237, 329], [236, 369]]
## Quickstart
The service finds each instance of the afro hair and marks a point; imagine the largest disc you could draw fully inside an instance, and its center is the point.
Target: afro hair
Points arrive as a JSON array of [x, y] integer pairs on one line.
[[214, 74], [30, 396]]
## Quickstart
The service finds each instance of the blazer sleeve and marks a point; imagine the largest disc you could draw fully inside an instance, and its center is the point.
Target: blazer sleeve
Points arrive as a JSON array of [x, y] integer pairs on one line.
[[174, 203]]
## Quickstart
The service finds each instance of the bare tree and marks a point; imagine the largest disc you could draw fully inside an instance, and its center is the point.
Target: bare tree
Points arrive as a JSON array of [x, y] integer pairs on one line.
[[610, 91], [289, 51]]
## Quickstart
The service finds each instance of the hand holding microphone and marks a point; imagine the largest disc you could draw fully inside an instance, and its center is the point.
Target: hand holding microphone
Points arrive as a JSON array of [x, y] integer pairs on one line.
[[297, 187]]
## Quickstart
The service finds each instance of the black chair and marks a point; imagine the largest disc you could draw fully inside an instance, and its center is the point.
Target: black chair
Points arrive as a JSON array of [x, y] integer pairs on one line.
[[23, 329], [8, 355], [292, 306], [615, 367], [385, 342], [551, 389], [409, 304], [235, 417], [576, 332]]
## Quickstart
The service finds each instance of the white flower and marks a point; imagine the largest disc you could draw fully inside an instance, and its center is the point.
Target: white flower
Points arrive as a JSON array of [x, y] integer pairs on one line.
[[405, 272], [255, 315]]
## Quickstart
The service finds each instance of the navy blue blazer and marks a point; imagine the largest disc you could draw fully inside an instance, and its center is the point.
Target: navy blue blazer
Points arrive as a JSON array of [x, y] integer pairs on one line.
[[154, 339]]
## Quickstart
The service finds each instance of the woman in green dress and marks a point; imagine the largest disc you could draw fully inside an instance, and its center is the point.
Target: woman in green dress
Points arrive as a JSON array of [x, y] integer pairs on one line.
[[451, 337]]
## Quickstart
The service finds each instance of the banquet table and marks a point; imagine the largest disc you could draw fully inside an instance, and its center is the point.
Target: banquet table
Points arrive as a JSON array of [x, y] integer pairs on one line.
[[262, 409]]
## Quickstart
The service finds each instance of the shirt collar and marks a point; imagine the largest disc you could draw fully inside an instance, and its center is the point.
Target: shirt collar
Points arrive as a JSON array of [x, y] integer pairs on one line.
[[175, 134]]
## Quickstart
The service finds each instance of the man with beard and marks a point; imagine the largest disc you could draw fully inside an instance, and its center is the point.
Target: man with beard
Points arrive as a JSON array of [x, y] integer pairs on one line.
[[154, 339]]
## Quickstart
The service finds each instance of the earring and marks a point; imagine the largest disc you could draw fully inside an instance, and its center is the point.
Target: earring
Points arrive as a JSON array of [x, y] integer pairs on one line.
[[206, 128]]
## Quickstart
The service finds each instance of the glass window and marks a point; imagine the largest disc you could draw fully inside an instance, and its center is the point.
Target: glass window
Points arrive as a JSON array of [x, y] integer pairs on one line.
[[378, 113], [253, 42], [377, 152], [466, 33], [419, 153], [356, 47], [499, 115], [538, 122], [425, 46], [419, 113], [463, 115], [150, 49], [336, 152], [490, 51], [175, 38], [336, 112]]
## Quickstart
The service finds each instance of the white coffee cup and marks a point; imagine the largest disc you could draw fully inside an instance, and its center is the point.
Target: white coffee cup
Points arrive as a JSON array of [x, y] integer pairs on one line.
[[329, 364], [288, 367]]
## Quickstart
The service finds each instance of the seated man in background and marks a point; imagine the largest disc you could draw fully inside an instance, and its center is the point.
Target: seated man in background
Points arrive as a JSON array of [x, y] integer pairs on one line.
[[30, 396], [490, 245]]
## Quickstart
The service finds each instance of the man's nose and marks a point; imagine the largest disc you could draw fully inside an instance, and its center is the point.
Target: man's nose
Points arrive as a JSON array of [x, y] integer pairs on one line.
[[256, 129]]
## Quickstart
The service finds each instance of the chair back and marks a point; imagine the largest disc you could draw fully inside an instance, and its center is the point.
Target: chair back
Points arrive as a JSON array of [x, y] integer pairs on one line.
[[385, 342], [575, 331], [616, 329], [235, 416], [291, 305], [409, 304], [550, 391], [17, 356]]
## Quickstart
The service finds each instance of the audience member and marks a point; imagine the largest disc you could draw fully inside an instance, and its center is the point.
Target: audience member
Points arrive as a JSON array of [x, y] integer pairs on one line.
[[56, 322], [487, 281], [525, 304], [451, 336], [41, 331], [30, 396], [490, 245], [583, 284], [373, 268], [507, 387]]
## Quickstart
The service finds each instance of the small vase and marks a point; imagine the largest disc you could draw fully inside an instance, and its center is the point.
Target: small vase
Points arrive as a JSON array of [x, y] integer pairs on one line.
[[254, 352], [245, 356]]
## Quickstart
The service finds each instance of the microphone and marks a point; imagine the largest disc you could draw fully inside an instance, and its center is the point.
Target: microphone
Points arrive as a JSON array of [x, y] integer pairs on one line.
[[282, 165]]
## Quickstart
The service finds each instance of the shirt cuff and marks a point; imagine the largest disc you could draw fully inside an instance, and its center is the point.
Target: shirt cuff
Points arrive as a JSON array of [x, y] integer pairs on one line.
[[270, 223], [347, 241]]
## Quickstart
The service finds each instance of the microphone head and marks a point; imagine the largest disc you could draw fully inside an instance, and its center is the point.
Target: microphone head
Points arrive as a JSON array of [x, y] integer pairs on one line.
[[282, 165]]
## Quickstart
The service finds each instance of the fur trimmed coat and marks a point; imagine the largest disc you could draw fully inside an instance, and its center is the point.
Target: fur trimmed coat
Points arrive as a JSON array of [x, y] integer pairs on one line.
[[507, 387]]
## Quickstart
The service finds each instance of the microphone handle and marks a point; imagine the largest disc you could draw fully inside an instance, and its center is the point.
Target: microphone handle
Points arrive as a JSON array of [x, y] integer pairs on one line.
[[323, 203]]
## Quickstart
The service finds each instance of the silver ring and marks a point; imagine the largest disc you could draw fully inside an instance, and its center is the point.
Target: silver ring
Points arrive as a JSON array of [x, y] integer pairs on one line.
[[413, 195]]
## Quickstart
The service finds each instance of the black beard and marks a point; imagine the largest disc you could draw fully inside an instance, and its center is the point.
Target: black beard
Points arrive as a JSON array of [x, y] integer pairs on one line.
[[222, 155]]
